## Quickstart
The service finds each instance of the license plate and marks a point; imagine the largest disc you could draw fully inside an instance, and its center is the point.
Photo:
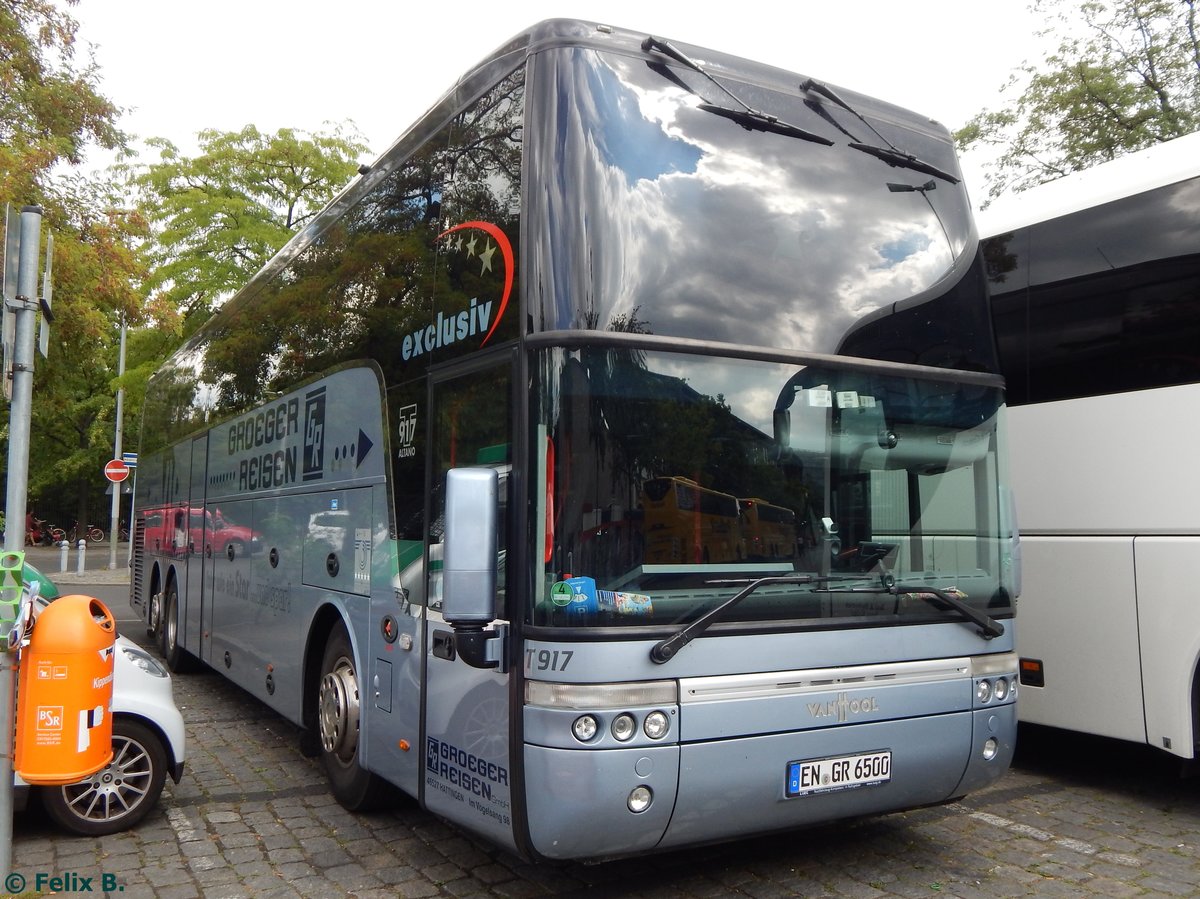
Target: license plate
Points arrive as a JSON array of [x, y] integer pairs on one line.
[[839, 773]]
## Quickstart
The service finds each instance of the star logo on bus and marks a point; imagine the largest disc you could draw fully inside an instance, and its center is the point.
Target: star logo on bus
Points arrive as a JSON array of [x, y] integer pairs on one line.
[[486, 256], [496, 240]]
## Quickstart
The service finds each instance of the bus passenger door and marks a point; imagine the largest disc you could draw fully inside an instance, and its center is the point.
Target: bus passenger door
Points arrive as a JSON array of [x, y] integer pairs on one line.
[[466, 763], [192, 596]]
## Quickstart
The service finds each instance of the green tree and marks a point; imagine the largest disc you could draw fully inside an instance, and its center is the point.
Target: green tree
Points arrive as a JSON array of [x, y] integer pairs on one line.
[[50, 109], [200, 230], [1125, 75], [217, 217], [95, 275], [51, 114]]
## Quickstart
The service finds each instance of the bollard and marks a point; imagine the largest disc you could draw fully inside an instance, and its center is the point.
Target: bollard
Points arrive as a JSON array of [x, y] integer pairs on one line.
[[64, 549], [80, 559]]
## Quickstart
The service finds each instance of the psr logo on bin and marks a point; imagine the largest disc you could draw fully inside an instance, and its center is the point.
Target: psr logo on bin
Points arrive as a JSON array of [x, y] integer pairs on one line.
[[50, 717]]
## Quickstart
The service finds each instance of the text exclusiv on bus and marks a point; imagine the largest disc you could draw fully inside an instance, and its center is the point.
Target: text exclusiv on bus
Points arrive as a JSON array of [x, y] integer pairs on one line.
[[1095, 281], [614, 467]]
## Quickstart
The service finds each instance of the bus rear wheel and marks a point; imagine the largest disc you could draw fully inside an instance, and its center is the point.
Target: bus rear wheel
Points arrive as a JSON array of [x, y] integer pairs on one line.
[[154, 618], [338, 711], [178, 659]]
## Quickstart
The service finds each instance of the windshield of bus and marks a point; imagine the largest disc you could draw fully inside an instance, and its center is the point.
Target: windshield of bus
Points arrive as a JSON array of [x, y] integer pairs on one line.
[[688, 224], [667, 482]]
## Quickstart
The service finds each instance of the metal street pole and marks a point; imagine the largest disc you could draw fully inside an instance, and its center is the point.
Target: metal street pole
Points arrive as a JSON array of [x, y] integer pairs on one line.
[[18, 478], [115, 520]]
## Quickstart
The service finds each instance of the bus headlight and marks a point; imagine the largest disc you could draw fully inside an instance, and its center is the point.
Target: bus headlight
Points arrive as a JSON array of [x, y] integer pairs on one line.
[[656, 725], [990, 748], [983, 690], [584, 728], [623, 727], [640, 799], [1001, 689]]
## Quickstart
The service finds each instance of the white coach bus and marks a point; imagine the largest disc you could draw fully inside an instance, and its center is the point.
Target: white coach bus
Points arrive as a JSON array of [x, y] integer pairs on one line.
[[1095, 283]]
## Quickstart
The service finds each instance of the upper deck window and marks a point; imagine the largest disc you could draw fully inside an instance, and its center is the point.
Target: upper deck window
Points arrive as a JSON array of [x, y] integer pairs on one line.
[[420, 269], [651, 206], [1103, 300]]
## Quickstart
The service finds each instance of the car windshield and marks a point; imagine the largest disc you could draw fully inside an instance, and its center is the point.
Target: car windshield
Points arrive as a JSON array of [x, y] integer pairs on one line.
[[667, 482]]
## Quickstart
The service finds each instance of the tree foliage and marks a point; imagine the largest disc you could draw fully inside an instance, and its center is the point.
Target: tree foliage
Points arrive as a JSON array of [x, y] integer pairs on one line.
[[1125, 75], [201, 227], [95, 277], [50, 109], [51, 114], [217, 217]]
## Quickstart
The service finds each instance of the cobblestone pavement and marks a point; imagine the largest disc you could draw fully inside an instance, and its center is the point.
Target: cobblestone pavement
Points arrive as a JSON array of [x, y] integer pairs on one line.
[[252, 817]]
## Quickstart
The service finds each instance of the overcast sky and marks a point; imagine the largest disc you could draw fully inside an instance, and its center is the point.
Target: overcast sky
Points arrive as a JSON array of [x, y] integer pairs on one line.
[[182, 67]]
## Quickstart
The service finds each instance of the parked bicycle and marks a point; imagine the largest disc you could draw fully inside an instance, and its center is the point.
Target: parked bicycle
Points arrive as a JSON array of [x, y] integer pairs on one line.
[[92, 533]]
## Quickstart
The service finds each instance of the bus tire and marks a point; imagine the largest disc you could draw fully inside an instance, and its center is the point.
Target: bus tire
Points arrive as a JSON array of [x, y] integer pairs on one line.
[[178, 659], [154, 618], [338, 710]]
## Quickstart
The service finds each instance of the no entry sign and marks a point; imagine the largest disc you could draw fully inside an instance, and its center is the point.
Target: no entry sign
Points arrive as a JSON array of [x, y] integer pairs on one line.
[[116, 471]]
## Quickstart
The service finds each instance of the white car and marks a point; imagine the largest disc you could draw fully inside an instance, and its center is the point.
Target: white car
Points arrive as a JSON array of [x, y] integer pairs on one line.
[[148, 745]]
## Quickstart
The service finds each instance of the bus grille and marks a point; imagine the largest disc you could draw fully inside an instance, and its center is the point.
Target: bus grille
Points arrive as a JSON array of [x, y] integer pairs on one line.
[[139, 557]]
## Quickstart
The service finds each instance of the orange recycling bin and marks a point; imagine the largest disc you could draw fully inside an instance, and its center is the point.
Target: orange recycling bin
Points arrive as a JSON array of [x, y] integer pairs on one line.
[[64, 693]]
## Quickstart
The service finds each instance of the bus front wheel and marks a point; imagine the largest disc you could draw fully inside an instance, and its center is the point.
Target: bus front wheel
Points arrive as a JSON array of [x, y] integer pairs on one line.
[[338, 711]]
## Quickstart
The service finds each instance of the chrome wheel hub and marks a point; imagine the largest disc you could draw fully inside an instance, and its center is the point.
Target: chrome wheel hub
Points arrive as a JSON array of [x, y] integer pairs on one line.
[[338, 712], [155, 612]]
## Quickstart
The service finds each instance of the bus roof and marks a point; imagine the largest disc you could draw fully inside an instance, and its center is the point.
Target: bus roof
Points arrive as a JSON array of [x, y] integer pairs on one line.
[[544, 35], [1156, 166]]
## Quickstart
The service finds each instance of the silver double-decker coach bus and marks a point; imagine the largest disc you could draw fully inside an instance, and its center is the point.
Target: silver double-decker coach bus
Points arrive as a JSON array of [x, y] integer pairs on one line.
[[459, 481]]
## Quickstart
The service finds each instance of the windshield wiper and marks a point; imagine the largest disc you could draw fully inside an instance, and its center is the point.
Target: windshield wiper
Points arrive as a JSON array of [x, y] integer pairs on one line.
[[665, 650], [900, 159], [989, 628], [747, 116], [754, 120], [812, 86], [891, 154]]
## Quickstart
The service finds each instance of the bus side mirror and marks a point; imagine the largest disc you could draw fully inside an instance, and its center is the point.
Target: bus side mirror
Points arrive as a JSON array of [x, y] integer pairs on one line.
[[469, 554]]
